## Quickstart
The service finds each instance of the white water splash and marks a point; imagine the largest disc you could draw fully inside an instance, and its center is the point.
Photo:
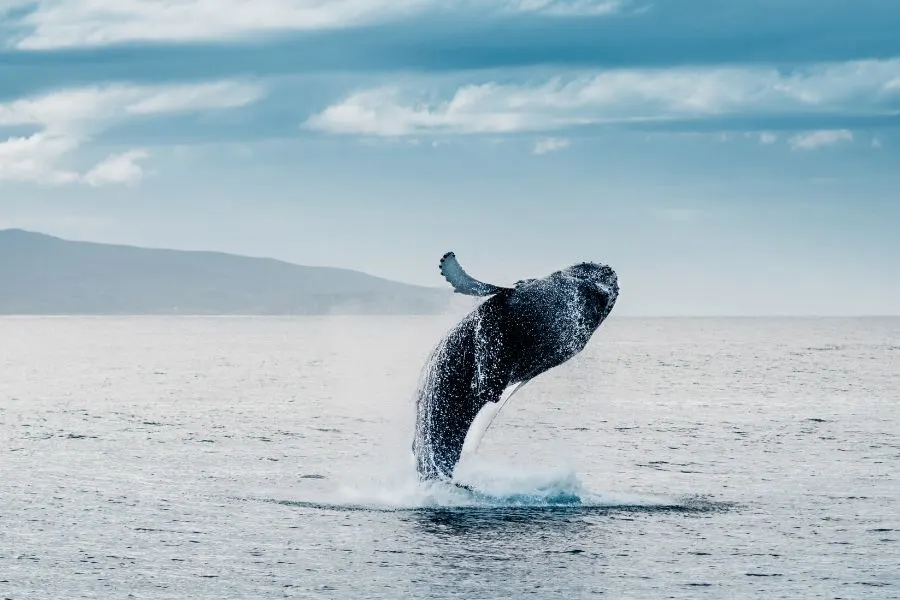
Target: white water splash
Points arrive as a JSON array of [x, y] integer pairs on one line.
[[486, 486]]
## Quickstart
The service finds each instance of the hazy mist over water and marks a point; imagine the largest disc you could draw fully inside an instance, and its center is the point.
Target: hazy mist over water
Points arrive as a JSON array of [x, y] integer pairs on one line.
[[242, 457]]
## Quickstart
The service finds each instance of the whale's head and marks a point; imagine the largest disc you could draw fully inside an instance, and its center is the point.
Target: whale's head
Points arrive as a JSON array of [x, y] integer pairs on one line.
[[599, 284]]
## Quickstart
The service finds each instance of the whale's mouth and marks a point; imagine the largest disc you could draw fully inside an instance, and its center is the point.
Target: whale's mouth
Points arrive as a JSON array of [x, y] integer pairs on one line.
[[609, 289], [604, 280]]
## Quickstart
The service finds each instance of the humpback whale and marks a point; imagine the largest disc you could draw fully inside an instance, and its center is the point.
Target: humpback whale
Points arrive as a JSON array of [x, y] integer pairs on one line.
[[516, 334]]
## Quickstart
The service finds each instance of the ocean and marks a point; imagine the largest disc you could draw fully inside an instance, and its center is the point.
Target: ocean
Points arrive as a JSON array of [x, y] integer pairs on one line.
[[220, 457]]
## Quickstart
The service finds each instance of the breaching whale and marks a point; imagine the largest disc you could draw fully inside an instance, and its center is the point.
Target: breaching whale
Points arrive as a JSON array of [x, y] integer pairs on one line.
[[510, 338]]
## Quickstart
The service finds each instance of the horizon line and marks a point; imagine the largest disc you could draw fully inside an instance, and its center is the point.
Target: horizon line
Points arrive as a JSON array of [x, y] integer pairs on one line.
[[414, 315]]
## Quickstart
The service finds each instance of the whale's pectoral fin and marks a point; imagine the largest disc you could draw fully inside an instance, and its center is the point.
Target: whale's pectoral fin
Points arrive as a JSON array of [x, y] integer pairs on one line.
[[462, 282], [485, 418]]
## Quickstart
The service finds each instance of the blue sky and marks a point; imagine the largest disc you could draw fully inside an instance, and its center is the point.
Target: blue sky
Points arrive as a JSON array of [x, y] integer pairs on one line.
[[736, 157]]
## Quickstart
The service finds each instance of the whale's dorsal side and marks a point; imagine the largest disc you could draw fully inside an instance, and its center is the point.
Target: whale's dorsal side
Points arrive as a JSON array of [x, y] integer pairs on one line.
[[462, 282]]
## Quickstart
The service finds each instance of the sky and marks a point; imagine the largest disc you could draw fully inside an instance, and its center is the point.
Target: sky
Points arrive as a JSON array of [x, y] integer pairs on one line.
[[726, 158]]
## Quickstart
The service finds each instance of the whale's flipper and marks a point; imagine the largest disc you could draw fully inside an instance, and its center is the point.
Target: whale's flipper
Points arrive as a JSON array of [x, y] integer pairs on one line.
[[485, 418], [462, 282]]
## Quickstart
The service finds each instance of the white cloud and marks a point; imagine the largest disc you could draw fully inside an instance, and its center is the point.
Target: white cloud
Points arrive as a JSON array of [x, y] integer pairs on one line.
[[66, 120], [489, 108], [550, 145], [203, 96], [90, 108], [118, 168], [567, 8], [618, 96], [819, 139], [767, 138], [74, 23], [35, 159], [70, 23]]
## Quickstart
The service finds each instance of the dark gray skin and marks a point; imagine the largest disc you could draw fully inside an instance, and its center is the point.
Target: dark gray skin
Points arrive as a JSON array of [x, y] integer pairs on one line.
[[513, 336]]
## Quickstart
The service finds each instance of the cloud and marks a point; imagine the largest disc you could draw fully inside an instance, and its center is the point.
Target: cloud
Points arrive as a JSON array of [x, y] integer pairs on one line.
[[74, 23], [68, 119], [568, 8], [767, 138], [50, 24], [118, 168], [548, 145], [91, 107], [35, 159], [620, 96], [820, 139]]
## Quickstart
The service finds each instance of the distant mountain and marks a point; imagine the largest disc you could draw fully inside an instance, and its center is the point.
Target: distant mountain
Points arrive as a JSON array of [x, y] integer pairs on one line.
[[41, 274]]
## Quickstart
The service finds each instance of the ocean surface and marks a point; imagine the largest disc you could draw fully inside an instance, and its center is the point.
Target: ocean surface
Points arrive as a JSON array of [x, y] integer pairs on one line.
[[239, 458]]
